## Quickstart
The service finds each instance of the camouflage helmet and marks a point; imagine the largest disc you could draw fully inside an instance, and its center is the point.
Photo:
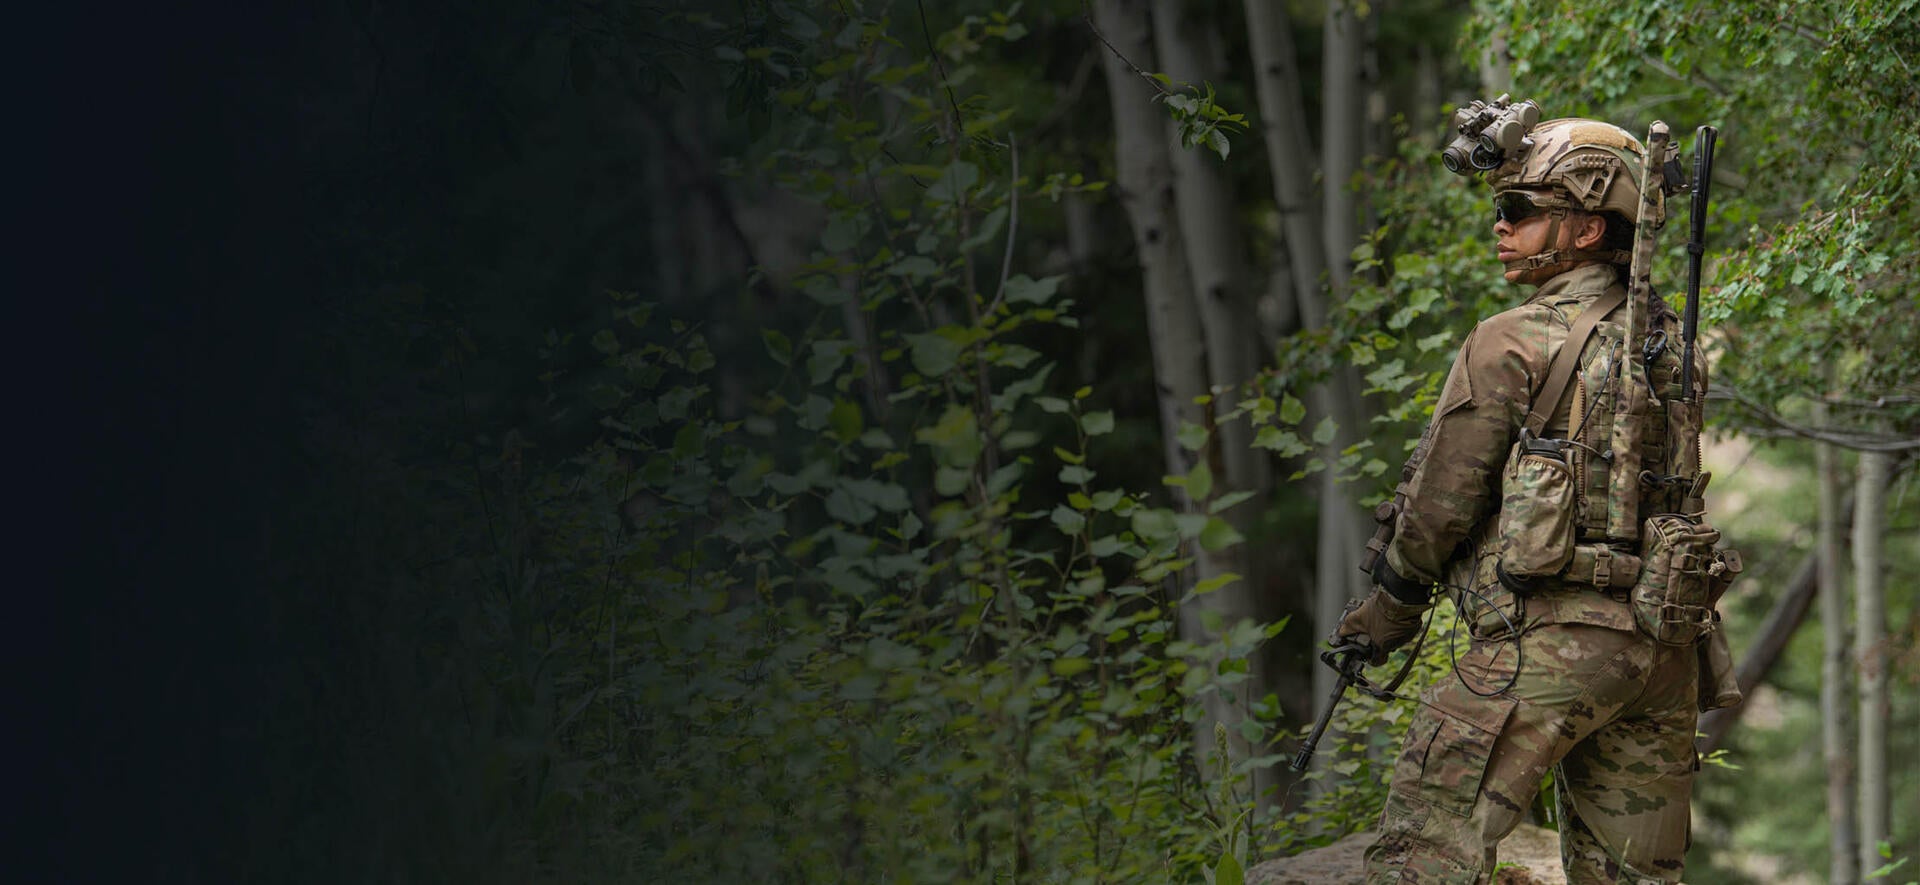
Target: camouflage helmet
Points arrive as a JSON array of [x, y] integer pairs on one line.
[[1594, 166]]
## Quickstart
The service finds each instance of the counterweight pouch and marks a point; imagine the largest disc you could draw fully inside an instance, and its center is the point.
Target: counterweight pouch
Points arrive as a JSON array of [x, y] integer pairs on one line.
[[1681, 576], [1537, 511]]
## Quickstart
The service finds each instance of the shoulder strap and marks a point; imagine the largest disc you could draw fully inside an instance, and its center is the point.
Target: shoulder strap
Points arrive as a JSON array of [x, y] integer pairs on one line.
[[1569, 356]]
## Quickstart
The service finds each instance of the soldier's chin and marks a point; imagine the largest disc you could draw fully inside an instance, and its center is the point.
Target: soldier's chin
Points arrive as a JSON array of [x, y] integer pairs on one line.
[[1534, 276]]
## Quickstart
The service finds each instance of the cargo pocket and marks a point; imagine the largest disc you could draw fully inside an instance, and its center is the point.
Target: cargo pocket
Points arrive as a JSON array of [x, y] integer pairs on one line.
[[1446, 760]]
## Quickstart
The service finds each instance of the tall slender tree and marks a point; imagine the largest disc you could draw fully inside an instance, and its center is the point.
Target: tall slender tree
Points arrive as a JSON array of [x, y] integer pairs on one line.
[[1835, 733], [1870, 649], [1145, 165]]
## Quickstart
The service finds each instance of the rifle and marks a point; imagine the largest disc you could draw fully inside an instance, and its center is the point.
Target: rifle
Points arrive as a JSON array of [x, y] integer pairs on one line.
[[1346, 659], [1696, 248]]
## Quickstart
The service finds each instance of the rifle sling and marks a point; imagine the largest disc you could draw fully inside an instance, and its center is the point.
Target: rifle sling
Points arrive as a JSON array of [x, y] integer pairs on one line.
[[1568, 358]]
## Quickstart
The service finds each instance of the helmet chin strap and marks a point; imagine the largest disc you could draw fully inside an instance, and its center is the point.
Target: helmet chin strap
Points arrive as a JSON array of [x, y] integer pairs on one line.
[[1550, 257]]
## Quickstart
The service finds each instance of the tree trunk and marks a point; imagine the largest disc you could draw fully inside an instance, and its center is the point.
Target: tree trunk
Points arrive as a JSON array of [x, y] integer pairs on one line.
[[1291, 160], [1496, 71], [1770, 642], [1835, 733], [1184, 41], [1342, 116], [1870, 650], [1342, 529], [1146, 185], [1283, 120]]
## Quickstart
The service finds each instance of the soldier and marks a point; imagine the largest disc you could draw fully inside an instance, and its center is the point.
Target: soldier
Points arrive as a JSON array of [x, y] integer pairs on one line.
[[1556, 676]]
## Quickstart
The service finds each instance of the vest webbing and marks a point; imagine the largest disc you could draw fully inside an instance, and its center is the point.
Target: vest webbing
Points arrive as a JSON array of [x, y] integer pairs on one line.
[[1568, 359]]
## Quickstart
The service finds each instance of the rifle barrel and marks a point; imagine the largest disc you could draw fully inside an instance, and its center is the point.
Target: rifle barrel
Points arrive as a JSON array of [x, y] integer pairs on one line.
[[1696, 251], [1305, 755]]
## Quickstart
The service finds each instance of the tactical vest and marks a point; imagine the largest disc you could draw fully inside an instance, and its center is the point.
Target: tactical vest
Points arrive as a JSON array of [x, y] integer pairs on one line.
[[1573, 510]]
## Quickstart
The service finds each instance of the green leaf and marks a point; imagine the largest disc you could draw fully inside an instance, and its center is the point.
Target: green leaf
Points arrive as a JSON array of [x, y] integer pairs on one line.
[[1053, 405], [1228, 871], [955, 439], [1154, 524], [843, 232], [1069, 667], [1291, 410], [951, 481], [1068, 457], [919, 267], [826, 290], [933, 354], [1218, 535], [778, 346], [1022, 288], [688, 441], [1192, 436], [1096, 423], [1228, 500], [846, 507], [1075, 474], [1015, 357], [846, 420], [1285, 442], [1200, 481], [826, 359], [1214, 583], [606, 342], [1069, 520], [1324, 431], [953, 183]]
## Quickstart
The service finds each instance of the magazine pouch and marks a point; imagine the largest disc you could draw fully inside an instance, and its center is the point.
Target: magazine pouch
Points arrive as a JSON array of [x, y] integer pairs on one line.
[[1537, 512]]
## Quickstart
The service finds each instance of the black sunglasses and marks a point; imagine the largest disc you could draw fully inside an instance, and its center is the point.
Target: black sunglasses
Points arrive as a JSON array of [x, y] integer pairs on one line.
[[1514, 207]]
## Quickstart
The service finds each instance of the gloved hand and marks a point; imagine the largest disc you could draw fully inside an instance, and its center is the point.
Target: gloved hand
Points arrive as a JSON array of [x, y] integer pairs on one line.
[[1381, 623]]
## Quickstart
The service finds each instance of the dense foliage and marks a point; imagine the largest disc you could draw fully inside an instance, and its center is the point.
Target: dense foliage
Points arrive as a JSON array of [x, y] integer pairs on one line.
[[856, 562]]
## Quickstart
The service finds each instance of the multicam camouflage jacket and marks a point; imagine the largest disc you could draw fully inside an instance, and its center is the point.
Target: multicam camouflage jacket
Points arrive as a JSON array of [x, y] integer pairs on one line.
[[1442, 533]]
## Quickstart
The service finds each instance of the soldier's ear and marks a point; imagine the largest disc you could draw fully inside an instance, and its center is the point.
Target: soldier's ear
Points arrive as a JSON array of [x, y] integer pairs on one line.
[[1589, 232]]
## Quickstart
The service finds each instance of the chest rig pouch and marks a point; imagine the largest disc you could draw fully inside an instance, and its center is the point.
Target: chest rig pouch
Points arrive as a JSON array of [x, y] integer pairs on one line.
[[1540, 487]]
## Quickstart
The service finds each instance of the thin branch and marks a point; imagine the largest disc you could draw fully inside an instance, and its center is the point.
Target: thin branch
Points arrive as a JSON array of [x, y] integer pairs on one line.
[[958, 125], [1086, 12], [1013, 223], [1069, 98], [1781, 426]]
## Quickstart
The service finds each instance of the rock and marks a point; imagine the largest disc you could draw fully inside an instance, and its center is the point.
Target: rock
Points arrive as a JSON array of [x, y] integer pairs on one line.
[[1533, 852]]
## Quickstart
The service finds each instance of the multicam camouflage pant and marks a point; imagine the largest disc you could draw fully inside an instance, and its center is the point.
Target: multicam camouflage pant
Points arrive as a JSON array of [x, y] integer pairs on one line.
[[1611, 712]]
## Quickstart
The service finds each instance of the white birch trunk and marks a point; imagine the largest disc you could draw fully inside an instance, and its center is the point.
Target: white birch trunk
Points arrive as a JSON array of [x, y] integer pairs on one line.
[[1145, 178], [1342, 531], [1291, 161], [1496, 73], [1870, 650], [1215, 257], [1835, 732], [1341, 120]]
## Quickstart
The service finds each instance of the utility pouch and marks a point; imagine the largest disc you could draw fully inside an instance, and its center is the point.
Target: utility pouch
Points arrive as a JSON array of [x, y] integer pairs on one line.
[[1681, 576], [1537, 511]]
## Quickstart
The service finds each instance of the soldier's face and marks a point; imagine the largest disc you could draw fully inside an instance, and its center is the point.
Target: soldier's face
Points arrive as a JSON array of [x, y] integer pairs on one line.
[[1521, 235], [1524, 238]]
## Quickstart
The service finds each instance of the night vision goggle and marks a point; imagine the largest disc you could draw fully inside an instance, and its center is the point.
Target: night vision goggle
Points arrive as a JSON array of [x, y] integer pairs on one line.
[[1487, 131]]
